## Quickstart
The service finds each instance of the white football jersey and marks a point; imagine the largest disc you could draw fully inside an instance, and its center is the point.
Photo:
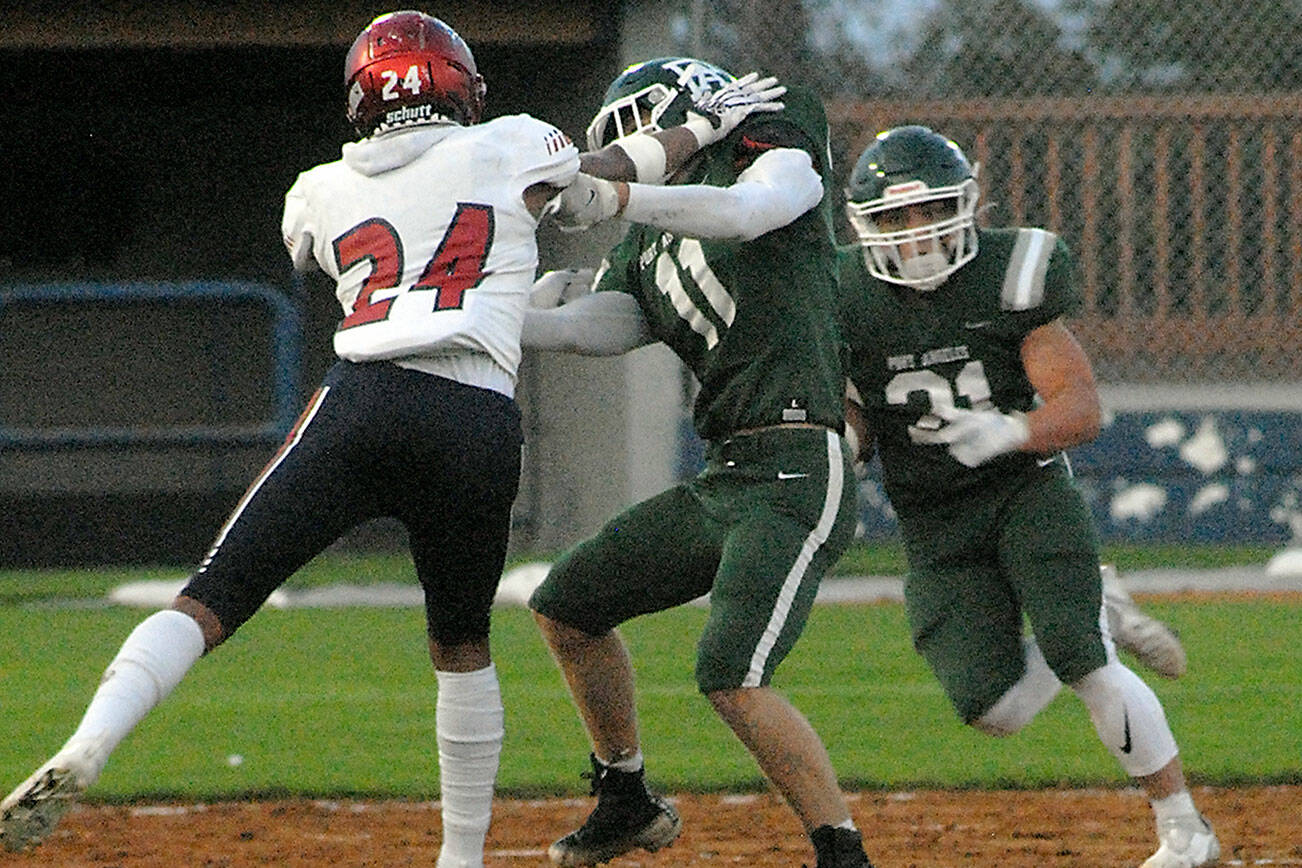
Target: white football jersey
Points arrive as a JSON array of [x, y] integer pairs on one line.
[[427, 236]]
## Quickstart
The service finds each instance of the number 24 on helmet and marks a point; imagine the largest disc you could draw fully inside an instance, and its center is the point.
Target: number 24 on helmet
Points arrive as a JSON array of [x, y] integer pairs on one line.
[[410, 68]]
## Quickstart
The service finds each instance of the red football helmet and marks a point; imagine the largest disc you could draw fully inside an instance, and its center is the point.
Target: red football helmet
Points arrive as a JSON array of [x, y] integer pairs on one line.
[[409, 67]]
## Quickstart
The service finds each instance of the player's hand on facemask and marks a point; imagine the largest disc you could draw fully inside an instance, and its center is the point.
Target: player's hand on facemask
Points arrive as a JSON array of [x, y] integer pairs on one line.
[[717, 113], [554, 288], [585, 203], [974, 437]]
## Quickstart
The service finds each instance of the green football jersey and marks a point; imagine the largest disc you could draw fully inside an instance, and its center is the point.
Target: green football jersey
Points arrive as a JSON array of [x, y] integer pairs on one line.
[[959, 345], [756, 321]]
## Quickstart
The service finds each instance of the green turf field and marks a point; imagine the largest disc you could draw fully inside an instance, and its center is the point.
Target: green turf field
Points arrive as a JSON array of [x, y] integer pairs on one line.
[[34, 586], [341, 702]]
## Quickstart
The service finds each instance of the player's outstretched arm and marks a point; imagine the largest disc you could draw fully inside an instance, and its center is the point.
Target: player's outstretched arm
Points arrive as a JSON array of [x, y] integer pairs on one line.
[[777, 188], [589, 324], [650, 158]]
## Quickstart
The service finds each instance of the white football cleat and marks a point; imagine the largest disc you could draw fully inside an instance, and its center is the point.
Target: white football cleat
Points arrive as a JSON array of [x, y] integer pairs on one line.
[[29, 814], [1186, 842], [1152, 642]]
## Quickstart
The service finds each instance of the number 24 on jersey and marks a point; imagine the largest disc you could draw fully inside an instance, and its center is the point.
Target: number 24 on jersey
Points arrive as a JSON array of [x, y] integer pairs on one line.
[[456, 266]]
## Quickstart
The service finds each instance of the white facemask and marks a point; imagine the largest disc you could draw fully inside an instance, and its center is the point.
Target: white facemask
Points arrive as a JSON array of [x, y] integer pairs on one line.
[[949, 243]]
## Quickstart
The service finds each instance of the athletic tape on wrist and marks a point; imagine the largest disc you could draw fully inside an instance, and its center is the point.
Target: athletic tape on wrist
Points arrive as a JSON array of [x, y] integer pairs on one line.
[[647, 154], [703, 130]]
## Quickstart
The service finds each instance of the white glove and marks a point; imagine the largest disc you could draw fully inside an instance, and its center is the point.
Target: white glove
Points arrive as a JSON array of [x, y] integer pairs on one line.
[[718, 112], [555, 288], [976, 436], [584, 203]]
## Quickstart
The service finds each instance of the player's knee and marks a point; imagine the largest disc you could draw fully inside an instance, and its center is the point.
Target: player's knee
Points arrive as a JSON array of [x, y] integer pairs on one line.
[[712, 677], [555, 612], [1128, 717], [563, 638], [999, 717], [1073, 656], [1022, 700], [725, 701], [209, 623], [539, 599]]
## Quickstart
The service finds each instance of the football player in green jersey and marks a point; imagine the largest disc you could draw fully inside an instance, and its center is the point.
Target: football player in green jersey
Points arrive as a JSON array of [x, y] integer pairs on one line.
[[968, 384], [732, 264]]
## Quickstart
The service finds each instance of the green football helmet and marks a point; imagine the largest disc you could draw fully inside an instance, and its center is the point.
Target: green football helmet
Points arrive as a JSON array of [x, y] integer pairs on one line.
[[652, 96], [912, 202]]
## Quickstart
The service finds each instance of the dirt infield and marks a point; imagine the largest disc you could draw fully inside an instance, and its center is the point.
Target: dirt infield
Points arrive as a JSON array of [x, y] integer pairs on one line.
[[1009, 829]]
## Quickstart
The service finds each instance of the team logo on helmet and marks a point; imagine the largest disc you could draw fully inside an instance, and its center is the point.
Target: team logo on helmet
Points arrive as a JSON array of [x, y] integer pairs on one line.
[[697, 76], [652, 95]]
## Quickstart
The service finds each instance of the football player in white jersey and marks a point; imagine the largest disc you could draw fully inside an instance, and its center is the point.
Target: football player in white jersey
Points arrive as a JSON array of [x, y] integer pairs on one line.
[[427, 224]]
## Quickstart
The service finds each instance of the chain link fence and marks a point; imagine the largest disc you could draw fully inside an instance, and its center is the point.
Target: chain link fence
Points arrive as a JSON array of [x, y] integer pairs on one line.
[[1162, 140]]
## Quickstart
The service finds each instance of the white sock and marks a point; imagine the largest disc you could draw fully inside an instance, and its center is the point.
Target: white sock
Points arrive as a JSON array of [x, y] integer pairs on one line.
[[470, 723], [631, 763], [151, 662], [1128, 717], [1023, 701], [1176, 805]]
